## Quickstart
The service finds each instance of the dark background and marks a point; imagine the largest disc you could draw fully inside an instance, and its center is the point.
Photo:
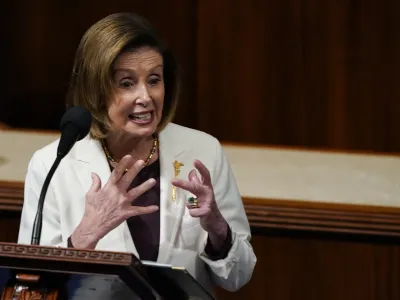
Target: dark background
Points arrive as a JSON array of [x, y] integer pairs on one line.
[[295, 72], [308, 73]]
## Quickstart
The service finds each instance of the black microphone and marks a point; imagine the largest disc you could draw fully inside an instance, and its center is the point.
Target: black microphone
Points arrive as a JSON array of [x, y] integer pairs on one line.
[[74, 126]]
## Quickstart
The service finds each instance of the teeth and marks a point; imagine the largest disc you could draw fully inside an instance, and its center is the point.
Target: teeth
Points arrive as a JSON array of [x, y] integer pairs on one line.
[[142, 116]]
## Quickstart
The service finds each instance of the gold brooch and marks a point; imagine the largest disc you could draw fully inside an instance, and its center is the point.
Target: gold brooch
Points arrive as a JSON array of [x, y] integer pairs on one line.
[[177, 170]]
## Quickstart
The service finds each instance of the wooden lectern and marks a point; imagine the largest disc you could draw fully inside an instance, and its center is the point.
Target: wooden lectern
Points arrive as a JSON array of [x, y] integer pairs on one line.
[[50, 273]]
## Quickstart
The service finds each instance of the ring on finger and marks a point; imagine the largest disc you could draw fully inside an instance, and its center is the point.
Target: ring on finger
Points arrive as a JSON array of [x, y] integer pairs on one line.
[[193, 202]]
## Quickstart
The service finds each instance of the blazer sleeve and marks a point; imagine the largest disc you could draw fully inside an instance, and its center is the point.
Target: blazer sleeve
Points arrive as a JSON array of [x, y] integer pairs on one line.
[[51, 228], [236, 269]]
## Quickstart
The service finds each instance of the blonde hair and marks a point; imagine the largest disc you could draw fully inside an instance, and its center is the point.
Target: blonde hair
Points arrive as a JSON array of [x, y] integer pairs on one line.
[[92, 83]]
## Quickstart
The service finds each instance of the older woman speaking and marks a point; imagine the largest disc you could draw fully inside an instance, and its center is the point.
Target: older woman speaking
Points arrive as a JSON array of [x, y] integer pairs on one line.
[[139, 183]]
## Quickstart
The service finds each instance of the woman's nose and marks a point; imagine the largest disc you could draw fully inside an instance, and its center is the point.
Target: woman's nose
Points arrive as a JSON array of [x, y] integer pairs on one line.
[[143, 96]]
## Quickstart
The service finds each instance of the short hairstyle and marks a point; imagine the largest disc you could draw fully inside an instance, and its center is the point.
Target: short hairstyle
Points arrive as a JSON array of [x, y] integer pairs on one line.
[[92, 82]]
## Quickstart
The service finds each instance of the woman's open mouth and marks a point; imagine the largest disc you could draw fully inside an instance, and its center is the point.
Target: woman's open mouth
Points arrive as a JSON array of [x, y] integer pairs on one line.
[[142, 118]]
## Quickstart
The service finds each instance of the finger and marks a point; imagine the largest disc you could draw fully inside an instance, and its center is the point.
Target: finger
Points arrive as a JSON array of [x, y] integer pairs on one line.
[[190, 207], [120, 168], [186, 185], [205, 174], [193, 177], [127, 178], [96, 184], [194, 211], [141, 189], [142, 210]]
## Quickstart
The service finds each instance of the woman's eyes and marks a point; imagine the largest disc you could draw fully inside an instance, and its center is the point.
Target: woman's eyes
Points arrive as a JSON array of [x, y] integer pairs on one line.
[[128, 83], [154, 80]]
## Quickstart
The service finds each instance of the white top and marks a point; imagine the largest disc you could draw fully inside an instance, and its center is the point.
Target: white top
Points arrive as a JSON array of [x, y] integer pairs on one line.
[[264, 172]]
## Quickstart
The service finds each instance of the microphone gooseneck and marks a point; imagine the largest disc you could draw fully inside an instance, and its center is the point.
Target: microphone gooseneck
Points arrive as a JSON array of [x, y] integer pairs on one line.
[[75, 125], [37, 225]]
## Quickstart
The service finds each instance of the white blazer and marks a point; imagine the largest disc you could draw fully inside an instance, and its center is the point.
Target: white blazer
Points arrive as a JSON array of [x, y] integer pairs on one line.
[[182, 239]]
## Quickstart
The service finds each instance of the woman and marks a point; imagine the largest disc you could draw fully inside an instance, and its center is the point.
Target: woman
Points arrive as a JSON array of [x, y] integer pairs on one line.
[[139, 183]]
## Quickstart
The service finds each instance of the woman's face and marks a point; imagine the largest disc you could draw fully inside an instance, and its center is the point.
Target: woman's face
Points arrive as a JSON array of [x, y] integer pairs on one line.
[[136, 106]]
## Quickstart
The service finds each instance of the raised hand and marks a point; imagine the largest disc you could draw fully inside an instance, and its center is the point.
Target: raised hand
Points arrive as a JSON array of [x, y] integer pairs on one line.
[[206, 209], [109, 206]]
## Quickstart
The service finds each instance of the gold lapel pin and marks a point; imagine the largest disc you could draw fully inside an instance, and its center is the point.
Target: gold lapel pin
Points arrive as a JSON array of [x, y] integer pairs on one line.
[[177, 170]]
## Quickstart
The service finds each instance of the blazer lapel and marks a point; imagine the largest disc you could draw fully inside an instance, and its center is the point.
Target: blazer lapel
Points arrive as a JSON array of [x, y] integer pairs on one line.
[[171, 211], [91, 158]]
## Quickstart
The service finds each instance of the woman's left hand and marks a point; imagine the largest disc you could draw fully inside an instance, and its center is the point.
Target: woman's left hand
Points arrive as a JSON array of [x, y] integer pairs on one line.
[[207, 210]]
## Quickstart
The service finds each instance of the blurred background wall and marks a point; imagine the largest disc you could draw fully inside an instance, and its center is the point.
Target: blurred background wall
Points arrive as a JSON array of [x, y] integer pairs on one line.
[[312, 73], [295, 72]]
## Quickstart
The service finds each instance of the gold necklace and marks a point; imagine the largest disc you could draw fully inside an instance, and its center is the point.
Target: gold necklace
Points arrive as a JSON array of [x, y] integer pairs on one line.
[[113, 161]]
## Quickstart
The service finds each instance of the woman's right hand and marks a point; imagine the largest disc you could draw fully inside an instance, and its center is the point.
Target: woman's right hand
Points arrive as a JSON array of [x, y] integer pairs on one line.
[[109, 206]]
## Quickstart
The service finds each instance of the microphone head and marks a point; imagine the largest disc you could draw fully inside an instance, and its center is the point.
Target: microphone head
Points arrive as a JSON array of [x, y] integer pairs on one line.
[[80, 118], [75, 125]]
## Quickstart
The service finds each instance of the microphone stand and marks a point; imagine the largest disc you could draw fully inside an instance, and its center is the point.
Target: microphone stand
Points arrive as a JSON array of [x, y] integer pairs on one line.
[[68, 138], [37, 225]]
